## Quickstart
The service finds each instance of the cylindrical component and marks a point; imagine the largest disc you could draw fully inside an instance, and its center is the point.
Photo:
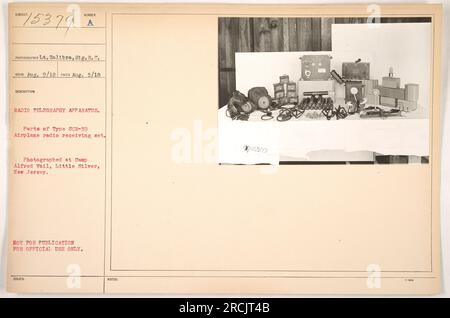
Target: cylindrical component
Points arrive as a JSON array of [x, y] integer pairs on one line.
[[412, 92], [337, 77], [260, 97]]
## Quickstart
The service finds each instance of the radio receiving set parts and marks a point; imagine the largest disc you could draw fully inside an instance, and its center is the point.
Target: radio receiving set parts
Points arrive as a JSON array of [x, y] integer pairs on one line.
[[239, 107], [390, 93], [314, 93], [353, 92], [260, 98], [356, 70], [285, 92], [353, 74], [339, 112], [315, 67], [287, 113], [371, 93], [375, 111], [337, 77], [316, 101], [315, 84]]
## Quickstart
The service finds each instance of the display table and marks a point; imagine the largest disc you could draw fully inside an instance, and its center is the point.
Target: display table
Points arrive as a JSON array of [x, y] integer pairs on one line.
[[319, 139]]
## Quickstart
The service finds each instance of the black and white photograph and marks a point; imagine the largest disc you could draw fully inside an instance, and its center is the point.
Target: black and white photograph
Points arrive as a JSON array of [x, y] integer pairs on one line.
[[324, 90], [225, 154]]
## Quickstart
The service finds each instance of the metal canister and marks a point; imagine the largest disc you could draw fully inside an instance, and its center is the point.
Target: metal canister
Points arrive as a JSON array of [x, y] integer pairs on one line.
[[260, 97], [412, 92]]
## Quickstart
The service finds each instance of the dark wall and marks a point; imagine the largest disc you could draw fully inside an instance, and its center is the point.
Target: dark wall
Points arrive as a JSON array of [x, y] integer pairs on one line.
[[275, 35]]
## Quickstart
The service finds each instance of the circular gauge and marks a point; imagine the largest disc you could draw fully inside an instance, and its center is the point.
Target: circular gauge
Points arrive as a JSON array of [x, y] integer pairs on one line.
[[264, 102], [307, 73], [354, 90], [376, 91], [247, 107]]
